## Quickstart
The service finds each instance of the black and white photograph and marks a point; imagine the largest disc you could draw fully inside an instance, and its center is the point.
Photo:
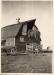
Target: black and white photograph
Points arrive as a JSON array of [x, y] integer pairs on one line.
[[27, 36]]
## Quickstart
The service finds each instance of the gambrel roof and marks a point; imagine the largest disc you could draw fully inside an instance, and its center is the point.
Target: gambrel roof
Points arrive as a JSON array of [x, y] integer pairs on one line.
[[12, 30]]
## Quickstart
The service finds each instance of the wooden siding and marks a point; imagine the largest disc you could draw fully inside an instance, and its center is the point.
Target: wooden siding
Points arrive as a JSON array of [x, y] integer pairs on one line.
[[24, 30], [10, 41]]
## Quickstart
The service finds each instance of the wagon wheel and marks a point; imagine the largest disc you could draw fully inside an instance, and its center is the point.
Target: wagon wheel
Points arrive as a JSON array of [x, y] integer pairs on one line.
[[8, 52], [13, 51]]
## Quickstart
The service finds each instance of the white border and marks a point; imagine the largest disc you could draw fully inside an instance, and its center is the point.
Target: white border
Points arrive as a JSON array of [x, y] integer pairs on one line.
[[0, 44]]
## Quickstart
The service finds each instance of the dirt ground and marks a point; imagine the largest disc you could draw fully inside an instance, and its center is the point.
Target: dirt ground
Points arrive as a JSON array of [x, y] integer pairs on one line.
[[32, 63]]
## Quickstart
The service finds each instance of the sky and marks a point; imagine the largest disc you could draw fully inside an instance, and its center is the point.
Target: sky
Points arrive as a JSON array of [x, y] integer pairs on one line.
[[26, 10]]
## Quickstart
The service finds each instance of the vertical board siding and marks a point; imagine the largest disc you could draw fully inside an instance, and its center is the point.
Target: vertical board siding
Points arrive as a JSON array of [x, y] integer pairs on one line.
[[10, 42]]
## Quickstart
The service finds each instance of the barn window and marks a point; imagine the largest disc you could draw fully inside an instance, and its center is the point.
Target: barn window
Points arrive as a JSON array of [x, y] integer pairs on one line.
[[21, 39]]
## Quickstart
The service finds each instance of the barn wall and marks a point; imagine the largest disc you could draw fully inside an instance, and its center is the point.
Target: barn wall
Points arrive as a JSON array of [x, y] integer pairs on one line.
[[16, 41], [19, 41], [20, 44], [10, 41], [24, 30]]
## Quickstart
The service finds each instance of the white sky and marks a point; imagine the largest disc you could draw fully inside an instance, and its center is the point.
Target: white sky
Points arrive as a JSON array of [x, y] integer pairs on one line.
[[42, 11]]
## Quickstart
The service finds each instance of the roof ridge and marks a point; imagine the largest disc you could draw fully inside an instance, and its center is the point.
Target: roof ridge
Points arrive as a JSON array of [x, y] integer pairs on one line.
[[19, 23]]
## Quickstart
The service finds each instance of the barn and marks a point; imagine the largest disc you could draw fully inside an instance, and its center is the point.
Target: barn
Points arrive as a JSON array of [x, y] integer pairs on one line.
[[21, 35]]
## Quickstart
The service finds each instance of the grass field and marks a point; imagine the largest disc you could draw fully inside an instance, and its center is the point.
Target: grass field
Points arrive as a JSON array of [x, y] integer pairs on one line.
[[32, 63]]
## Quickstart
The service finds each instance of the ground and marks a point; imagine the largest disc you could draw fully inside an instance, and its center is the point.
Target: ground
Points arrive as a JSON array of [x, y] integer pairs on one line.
[[32, 63]]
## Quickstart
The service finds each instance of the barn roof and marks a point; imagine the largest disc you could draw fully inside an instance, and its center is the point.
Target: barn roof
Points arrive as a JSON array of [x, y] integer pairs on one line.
[[12, 30]]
